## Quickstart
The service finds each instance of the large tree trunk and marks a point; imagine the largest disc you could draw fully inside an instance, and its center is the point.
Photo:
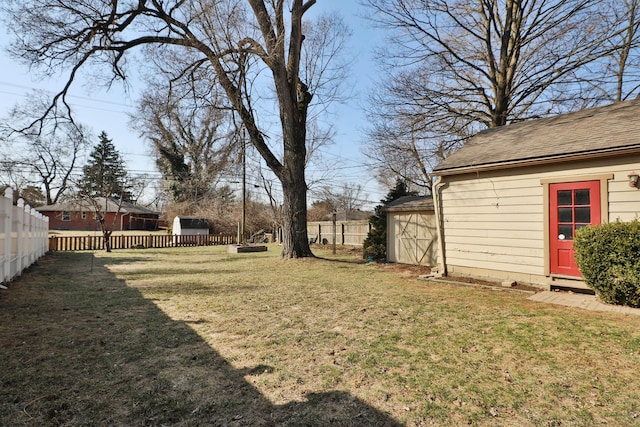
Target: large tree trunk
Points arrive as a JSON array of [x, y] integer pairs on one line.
[[295, 242]]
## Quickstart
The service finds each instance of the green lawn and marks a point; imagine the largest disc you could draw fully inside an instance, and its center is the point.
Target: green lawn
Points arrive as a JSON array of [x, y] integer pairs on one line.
[[197, 337]]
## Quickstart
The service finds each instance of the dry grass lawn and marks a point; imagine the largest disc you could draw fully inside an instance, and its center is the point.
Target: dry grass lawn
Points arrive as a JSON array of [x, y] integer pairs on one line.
[[197, 337]]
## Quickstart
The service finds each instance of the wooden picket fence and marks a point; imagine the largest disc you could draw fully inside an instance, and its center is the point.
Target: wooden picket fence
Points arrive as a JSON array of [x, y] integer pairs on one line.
[[140, 241]]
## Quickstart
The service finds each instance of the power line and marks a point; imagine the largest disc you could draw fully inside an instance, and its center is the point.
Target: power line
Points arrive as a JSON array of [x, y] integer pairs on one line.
[[84, 98]]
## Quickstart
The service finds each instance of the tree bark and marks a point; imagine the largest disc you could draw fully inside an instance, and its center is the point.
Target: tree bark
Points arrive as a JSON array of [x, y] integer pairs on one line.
[[106, 235], [292, 176], [295, 242]]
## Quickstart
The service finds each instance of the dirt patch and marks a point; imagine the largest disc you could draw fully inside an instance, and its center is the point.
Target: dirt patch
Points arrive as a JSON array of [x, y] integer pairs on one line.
[[489, 283], [406, 270]]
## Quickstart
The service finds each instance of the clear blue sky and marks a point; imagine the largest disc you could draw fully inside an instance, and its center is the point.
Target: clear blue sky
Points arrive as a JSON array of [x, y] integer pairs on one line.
[[102, 110]]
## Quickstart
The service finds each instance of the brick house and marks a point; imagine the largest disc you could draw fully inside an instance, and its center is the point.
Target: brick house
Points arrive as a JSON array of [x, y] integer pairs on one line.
[[80, 216]]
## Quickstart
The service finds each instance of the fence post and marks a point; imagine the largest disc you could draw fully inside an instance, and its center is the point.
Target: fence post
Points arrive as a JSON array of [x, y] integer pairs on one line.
[[6, 208], [37, 233], [40, 236], [333, 218], [39, 221], [28, 238], [18, 221], [45, 234]]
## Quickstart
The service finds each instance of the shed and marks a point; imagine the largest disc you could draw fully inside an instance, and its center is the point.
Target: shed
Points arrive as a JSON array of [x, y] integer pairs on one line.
[[411, 231], [190, 226], [511, 199]]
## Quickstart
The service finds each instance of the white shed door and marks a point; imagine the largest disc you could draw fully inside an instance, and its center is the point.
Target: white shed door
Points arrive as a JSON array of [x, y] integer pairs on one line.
[[414, 239]]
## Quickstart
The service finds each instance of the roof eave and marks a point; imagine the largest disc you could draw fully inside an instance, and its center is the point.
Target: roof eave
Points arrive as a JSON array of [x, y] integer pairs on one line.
[[539, 161], [408, 209]]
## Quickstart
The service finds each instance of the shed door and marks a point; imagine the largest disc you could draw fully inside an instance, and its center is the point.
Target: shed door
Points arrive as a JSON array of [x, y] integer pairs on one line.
[[415, 235], [572, 206]]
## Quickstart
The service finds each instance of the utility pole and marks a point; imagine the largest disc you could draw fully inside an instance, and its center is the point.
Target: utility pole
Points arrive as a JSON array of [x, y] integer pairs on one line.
[[335, 231], [244, 187]]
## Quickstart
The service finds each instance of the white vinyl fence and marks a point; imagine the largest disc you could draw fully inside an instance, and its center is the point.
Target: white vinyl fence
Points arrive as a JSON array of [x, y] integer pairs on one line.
[[23, 236]]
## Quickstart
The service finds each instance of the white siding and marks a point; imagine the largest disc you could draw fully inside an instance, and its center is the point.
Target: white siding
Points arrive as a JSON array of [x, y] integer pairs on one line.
[[178, 230], [494, 220], [623, 200]]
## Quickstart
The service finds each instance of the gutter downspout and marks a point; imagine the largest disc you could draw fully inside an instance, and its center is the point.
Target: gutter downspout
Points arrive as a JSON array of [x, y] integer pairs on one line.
[[435, 190]]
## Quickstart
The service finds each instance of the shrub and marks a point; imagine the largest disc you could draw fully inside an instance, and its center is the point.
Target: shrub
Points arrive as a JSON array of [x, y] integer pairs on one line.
[[608, 256], [375, 245], [376, 251]]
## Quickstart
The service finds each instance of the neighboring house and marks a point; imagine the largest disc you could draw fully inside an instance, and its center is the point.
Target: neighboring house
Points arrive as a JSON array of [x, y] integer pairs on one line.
[[411, 231], [511, 199], [80, 215], [190, 226]]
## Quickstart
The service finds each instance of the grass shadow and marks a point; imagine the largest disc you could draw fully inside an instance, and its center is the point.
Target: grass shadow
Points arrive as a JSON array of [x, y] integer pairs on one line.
[[80, 347], [342, 260]]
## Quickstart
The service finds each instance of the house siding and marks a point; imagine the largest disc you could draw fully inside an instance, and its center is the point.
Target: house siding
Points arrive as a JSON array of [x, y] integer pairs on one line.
[[494, 221], [75, 223], [624, 200], [123, 222]]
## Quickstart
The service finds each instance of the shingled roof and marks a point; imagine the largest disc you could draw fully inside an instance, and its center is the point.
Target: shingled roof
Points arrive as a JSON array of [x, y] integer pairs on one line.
[[596, 132], [108, 205], [410, 203]]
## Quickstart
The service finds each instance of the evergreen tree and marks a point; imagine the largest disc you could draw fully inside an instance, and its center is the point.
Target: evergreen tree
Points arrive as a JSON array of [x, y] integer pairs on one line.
[[105, 174], [375, 245]]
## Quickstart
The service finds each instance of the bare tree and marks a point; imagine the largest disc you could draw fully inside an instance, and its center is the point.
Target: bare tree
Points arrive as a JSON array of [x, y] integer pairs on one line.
[[453, 68], [400, 150], [346, 198], [190, 139], [13, 174], [320, 209], [219, 38], [324, 69], [616, 77], [46, 153], [32, 195]]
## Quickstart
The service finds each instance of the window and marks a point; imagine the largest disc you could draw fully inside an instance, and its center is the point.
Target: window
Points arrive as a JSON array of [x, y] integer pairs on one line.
[[84, 215], [66, 216], [574, 211]]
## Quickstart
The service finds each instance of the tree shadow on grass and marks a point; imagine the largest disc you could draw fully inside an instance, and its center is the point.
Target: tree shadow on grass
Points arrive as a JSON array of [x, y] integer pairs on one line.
[[344, 261], [82, 348]]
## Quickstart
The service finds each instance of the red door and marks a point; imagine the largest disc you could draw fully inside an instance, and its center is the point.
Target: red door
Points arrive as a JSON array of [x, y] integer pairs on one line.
[[572, 206]]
